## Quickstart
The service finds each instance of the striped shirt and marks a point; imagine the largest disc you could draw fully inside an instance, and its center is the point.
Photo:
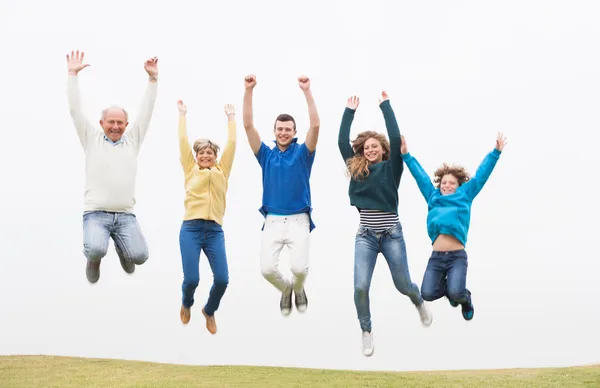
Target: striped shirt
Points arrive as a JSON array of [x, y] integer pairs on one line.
[[378, 220]]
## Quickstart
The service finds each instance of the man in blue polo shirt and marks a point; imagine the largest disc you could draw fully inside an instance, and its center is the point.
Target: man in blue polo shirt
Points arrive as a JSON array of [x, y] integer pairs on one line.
[[286, 202]]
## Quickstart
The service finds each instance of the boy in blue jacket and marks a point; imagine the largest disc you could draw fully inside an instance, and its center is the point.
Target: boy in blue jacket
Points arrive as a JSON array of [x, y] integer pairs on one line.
[[449, 201]]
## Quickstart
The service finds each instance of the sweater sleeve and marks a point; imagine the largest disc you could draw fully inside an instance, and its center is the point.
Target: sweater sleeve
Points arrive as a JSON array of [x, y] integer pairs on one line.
[[475, 184], [394, 135], [229, 150], [185, 151], [344, 135], [423, 181], [139, 127], [83, 126]]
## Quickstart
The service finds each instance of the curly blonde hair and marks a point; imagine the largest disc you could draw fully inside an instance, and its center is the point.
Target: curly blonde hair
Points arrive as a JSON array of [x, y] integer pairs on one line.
[[461, 175], [358, 165]]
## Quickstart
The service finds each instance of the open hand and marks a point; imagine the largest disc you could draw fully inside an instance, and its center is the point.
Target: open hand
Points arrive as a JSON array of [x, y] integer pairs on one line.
[[151, 67], [304, 82], [500, 141], [250, 81], [384, 97], [182, 108], [353, 102], [75, 62], [403, 146], [229, 109]]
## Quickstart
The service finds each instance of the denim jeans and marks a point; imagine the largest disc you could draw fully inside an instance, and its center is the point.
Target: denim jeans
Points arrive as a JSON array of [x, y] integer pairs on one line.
[[368, 244], [446, 275], [100, 226], [208, 236]]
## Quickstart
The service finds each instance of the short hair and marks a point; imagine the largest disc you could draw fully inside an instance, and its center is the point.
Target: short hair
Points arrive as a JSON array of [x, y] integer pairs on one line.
[[284, 117], [104, 111], [201, 144]]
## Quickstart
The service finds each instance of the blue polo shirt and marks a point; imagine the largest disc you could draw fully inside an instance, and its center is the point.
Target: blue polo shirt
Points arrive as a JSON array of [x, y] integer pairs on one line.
[[285, 178]]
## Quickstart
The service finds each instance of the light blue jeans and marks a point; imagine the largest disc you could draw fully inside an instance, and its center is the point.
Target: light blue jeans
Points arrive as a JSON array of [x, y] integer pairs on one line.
[[368, 244], [123, 228]]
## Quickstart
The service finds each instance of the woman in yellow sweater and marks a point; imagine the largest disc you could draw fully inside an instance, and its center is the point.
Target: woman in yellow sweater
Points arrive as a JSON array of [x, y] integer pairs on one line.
[[206, 181]]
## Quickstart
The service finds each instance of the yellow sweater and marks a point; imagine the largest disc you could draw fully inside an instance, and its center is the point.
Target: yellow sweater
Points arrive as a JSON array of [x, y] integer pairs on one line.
[[205, 189]]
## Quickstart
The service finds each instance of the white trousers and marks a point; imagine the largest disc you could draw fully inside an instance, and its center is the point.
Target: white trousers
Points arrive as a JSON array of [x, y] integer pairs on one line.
[[294, 232]]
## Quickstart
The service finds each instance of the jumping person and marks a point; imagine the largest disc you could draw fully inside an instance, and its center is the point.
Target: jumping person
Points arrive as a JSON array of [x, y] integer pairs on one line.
[[375, 168], [206, 182], [286, 200], [111, 169], [448, 218]]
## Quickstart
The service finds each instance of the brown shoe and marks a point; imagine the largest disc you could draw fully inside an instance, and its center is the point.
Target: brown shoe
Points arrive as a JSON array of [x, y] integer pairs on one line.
[[185, 314], [211, 325]]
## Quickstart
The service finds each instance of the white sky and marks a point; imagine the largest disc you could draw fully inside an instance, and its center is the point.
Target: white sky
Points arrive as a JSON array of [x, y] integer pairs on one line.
[[457, 72]]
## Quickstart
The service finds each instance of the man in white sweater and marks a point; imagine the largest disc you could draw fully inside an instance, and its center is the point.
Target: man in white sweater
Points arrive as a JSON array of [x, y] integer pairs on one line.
[[111, 169]]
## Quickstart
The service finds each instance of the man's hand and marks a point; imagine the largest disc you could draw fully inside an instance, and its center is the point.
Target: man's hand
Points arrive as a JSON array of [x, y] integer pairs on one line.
[[182, 108], [353, 102], [230, 111], [384, 97], [403, 146], [250, 81], [151, 67], [500, 141], [75, 62], [304, 82]]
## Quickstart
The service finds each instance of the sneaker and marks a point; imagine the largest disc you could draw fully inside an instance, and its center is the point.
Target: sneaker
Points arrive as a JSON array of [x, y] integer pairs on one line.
[[301, 301], [468, 310], [452, 303], [185, 314], [425, 314], [92, 271], [211, 324], [286, 301], [367, 343]]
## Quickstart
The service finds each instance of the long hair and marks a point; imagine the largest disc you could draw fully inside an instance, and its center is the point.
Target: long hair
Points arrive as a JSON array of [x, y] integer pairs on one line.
[[358, 165], [458, 172]]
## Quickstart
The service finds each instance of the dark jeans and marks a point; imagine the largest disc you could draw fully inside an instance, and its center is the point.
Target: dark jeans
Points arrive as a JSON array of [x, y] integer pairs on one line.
[[196, 236], [446, 275]]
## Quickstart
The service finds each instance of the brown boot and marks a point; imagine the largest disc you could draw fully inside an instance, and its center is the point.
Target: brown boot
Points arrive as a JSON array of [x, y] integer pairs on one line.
[[211, 325], [185, 314]]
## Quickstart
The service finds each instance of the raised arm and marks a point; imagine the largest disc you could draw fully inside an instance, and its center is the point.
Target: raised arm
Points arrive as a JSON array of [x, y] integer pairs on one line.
[[140, 126], [229, 150], [423, 181], [393, 133], [475, 184], [83, 126], [251, 132], [186, 156], [312, 136], [345, 126]]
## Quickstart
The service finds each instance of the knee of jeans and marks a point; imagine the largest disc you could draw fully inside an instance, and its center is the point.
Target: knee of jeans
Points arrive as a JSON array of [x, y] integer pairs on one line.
[[222, 281], [428, 295], [456, 295], [94, 253], [191, 280], [139, 258], [361, 290]]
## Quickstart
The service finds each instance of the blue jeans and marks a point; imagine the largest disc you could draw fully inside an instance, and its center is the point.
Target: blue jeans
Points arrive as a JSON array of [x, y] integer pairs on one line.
[[446, 275], [100, 226], [196, 236], [368, 244]]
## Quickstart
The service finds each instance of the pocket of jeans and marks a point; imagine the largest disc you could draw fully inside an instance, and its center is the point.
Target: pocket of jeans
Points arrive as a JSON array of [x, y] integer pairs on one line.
[[396, 232]]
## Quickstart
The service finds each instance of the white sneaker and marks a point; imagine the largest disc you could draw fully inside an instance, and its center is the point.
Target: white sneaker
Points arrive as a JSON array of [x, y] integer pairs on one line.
[[367, 340], [425, 314]]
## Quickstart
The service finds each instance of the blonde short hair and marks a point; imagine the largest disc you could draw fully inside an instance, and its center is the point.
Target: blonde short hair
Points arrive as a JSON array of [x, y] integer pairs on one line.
[[201, 144]]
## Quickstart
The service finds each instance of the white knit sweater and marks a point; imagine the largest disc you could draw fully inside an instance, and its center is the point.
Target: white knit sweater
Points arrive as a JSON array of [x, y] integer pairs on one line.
[[110, 168]]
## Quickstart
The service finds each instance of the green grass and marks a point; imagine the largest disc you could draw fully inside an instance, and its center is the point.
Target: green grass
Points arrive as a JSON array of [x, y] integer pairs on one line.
[[66, 372]]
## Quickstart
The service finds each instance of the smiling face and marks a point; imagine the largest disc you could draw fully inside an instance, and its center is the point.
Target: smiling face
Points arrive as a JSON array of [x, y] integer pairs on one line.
[[206, 157], [114, 122], [449, 184], [284, 132], [373, 150]]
